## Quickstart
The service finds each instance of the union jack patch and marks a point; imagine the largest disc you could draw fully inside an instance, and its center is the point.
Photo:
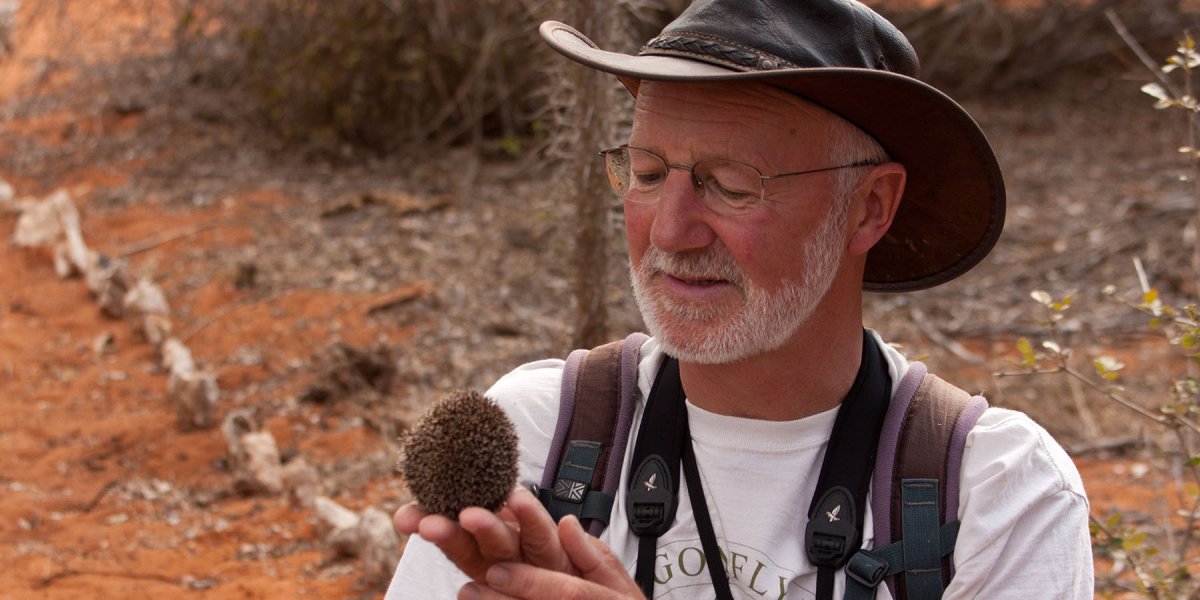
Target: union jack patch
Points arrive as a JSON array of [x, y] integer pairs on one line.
[[570, 490]]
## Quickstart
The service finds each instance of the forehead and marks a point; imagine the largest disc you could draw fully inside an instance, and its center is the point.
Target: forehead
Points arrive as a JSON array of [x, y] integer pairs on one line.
[[752, 110]]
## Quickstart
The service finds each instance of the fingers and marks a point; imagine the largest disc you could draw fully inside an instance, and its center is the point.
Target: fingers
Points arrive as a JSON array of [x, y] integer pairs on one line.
[[408, 518], [513, 580], [539, 534], [594, 560], [602, 575], [456, 543], [496, 538]]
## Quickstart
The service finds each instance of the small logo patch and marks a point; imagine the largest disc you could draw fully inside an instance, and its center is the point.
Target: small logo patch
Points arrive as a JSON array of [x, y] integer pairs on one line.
[[649, 483], [833, 514], [570, 490]]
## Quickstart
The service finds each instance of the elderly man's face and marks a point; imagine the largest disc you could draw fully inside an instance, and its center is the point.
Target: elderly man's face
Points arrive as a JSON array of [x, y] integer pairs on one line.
[[717, 288]]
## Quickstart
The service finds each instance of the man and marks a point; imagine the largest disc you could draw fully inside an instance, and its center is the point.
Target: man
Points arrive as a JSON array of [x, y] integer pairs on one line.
[[782, 159]]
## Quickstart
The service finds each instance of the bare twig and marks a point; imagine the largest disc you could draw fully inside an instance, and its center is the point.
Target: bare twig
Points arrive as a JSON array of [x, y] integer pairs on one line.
[[91, 505], [53, 577], [166, 238], [1140, 52]]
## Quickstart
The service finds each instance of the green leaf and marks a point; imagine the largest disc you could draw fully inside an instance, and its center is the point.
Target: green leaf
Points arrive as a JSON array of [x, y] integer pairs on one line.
[[1188, 340], [1028, 359], [1194, 460]]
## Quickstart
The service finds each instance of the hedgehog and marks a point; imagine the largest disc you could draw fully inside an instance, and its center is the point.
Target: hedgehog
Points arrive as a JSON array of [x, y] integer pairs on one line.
[[462, 452]]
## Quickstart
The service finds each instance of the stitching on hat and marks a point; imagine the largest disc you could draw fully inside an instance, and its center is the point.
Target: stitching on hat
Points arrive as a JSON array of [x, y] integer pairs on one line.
[[690, 44]]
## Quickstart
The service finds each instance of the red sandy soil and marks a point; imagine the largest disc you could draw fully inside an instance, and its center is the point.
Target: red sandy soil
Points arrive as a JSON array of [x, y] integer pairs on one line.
[[103, 495]]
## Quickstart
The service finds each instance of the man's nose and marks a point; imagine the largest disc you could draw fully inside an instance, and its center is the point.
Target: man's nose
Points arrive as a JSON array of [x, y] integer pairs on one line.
[[680, 217]]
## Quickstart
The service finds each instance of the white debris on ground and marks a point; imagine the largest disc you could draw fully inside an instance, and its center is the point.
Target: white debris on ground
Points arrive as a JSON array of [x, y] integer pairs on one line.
[[367, 535], [253, 457]]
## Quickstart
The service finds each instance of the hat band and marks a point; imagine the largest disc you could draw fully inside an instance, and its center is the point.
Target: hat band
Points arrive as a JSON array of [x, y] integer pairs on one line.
[[714, 50]]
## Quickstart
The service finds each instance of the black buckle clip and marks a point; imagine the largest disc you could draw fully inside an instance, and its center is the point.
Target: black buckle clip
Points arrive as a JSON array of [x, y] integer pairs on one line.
[[832, 535], [650, 503]]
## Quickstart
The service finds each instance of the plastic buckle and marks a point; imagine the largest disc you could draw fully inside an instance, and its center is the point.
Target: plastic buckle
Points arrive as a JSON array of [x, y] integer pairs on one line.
[[867, 569], [650, 502], [832, 534]]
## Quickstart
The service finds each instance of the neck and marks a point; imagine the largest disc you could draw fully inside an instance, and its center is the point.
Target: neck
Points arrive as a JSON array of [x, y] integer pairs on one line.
[[811, 373]]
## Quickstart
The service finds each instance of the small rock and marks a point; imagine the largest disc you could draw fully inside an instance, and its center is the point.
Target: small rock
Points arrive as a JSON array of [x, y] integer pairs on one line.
[[109, 280], [176, 357], [381, 545], [145, 298], [340, 526], [155, 328], [7, 193], [303, 482], [194, 396], [38, 225], [104, 343], [63, 267], [253, 455]]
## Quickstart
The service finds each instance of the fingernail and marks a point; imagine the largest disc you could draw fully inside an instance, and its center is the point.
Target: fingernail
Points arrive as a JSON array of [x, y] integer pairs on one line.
[[469, 592], [497, 576]]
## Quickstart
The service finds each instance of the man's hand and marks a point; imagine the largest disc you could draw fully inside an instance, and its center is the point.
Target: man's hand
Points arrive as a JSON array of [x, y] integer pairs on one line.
[[521, 532], [598, 575]]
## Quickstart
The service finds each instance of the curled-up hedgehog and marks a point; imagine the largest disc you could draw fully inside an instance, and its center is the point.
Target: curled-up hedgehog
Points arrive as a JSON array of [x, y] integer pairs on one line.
[[461, 453]]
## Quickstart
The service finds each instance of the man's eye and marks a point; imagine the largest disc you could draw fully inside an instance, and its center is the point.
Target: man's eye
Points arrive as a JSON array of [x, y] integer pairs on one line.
[[732, 196], [648, 178]]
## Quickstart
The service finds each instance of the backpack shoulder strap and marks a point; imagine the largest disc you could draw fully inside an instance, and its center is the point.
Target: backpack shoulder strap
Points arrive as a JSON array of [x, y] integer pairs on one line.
[[596, 405], [915, 488]]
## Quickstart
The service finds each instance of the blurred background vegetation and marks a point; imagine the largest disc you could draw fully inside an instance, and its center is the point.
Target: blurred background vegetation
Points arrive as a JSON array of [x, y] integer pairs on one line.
[[385, 74]]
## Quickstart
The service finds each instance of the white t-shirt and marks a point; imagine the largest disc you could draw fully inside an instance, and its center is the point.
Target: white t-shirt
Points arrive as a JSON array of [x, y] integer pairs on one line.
[[1024, 532]]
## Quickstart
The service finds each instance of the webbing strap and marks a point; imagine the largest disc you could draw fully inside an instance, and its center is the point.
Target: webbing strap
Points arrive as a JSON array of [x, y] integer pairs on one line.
[[574, 476], [868, 568], [653, 486], [838, 507], [922, 544], [923, 438]]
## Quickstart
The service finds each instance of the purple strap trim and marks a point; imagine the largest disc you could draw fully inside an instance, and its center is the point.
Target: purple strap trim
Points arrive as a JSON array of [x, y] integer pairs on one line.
[[885, 456], [958, 442], [631, 352], [566, 409]]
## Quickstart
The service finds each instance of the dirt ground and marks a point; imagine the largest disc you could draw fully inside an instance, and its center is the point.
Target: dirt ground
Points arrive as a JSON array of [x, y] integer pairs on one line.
[[453, 270]]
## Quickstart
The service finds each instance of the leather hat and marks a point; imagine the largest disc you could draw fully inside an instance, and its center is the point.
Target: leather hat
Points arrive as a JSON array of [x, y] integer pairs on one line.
[[841, 55]]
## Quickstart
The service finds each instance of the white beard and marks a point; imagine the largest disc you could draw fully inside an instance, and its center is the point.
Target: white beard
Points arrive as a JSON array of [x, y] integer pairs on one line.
[[714, 334]]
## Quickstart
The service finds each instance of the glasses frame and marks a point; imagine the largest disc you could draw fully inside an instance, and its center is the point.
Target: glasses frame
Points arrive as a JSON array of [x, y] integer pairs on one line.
[[699, 184]]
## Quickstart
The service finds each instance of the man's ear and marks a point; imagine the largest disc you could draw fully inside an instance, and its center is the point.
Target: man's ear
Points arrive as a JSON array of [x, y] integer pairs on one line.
[[874, 205]]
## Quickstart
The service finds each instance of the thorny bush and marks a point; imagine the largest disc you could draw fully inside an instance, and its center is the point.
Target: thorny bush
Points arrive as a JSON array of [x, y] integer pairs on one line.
[[1161, 556]]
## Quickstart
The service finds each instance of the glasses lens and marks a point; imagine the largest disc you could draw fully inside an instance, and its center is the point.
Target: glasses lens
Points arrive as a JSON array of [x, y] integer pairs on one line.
[[646, 174], [733, 184], [616, 164]]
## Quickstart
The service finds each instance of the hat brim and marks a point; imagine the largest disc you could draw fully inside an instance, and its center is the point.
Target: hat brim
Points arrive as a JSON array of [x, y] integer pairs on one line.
[[953, 207]]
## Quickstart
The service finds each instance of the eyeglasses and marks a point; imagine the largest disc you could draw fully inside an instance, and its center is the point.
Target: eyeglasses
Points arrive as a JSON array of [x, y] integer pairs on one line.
[[725, 186]]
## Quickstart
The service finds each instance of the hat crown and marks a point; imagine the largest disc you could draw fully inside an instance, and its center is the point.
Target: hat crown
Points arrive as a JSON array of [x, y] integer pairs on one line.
[[761, 35]]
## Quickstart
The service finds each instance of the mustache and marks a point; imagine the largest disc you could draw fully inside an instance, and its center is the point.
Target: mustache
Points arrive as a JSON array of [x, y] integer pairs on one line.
[[713, 263]]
